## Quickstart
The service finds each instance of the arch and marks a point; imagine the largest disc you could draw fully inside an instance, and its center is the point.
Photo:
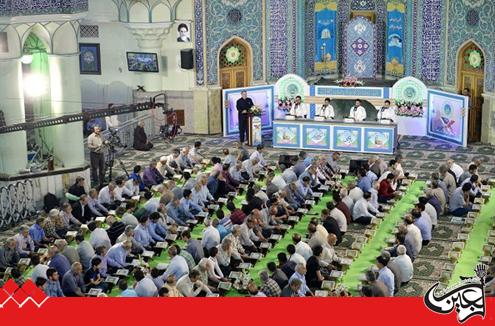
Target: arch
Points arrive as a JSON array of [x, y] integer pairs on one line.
[[42, 33], [249, 58], [65, 39], [161, 13], [139, 13], [460, 50]]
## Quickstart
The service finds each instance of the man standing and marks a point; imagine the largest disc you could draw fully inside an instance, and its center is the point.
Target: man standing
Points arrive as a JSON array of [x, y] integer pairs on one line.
[[97, 158], [243, 105], [358, 113]]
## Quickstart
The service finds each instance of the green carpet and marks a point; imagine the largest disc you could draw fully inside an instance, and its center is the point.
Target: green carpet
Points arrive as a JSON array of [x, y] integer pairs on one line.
[[372, 249], [478, 236]]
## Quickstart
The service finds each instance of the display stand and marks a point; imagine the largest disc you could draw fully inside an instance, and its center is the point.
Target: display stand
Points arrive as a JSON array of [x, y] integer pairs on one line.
[[254, 130]]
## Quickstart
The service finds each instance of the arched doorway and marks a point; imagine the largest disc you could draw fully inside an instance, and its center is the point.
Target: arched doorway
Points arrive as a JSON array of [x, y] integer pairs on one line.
[[235, 64], [470, 82]]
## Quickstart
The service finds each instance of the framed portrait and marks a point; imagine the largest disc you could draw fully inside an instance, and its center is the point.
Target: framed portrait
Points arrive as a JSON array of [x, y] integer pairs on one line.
[[184, 33], [89, 59]]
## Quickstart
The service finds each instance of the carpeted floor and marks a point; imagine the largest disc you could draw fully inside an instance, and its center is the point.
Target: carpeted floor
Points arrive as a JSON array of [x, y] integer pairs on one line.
[[421, 156]]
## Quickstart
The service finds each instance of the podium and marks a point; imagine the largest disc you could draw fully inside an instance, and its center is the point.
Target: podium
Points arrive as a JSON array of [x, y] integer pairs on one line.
[[254, 130]]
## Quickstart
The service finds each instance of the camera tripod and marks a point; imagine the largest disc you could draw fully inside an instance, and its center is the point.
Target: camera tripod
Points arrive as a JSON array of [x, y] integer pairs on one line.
[[111, 161]]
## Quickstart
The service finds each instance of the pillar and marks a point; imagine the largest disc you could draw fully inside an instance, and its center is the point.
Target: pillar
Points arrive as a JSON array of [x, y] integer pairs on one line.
[[13, 147], [65, 88], [150, 37], [488, 119]]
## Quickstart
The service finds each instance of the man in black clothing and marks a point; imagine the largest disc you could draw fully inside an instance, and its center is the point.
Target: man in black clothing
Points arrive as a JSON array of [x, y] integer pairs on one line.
[[77, 189], [244, 104], [81, 211], [115, 230], [141, 142], [330, 224]]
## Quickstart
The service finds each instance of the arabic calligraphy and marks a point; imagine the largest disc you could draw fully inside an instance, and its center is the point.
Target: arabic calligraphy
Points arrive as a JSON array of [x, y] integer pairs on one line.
[[467, 298]]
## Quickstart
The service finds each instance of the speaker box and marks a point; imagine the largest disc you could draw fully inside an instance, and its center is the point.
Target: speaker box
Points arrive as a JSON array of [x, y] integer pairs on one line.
[[355, 165], [186, 59], [286, 160]]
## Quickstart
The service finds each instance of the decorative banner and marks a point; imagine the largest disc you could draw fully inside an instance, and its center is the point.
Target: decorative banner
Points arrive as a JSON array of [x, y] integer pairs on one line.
[[255, 134], [290, 86], [325, 36], [316, 137], [447, 117], [262, 96], [409, 89], [378, 140], [394, 65], [347, 139], [286, 135], [360, 48]]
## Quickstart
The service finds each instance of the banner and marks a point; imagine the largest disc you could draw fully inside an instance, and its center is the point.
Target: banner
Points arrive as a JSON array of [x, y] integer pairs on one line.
[[394, 64], [325, 36], [448, 117]]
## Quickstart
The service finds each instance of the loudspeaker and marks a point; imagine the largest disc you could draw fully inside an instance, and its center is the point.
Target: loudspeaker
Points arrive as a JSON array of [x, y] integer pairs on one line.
[[355, 165], [186, 59], [286, 160]]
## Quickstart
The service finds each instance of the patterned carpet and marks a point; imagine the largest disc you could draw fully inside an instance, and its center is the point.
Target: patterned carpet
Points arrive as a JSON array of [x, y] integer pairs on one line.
[[422, 156]]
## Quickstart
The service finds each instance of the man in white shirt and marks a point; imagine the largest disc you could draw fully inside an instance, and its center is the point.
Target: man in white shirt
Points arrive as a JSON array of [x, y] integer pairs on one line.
[[144, 287], [355, 192], [404, 263], [329, 256], [107, 194], [326, 111], [298, 109], [211, 236], [414, 240], [300, 275], [456, 168], [386, 112], [279, 182], [98, 237], [258, 154], [363, 211], [338, 216], [385, 274], [186, 284], [358, 113], [178, 265], [250, 167], [302, 247], [318, 235]]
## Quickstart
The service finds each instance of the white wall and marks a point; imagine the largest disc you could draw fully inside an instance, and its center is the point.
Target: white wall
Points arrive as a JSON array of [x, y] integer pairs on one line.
[[116, 83]]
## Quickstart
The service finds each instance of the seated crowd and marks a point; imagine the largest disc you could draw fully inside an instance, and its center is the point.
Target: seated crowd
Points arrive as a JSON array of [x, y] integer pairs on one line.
[[110, 229]]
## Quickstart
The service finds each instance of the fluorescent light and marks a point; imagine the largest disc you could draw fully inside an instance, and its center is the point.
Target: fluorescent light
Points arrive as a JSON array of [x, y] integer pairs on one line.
[[35, 85], [27, 59]]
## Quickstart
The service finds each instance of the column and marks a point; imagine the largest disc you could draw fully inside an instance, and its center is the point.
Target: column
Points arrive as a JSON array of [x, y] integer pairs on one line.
[[65, 87], [13, 147], [150, 37]]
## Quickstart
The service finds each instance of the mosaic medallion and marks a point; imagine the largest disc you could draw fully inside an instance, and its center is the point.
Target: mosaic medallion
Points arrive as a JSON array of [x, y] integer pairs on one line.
[[360, 46]]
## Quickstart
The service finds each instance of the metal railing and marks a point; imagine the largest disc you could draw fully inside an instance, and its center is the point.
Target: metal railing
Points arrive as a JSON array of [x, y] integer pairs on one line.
[[17, 203]]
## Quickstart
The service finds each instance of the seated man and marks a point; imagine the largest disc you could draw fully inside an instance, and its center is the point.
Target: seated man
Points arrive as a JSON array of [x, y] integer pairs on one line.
[[142, 234], [141, 142], [73, 283], [459, 204], [9, 257], [77, 189], [24, 242], [107, 196], [94, 205], [151, 175], [386, 192], [116, 256], [363, 211]]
